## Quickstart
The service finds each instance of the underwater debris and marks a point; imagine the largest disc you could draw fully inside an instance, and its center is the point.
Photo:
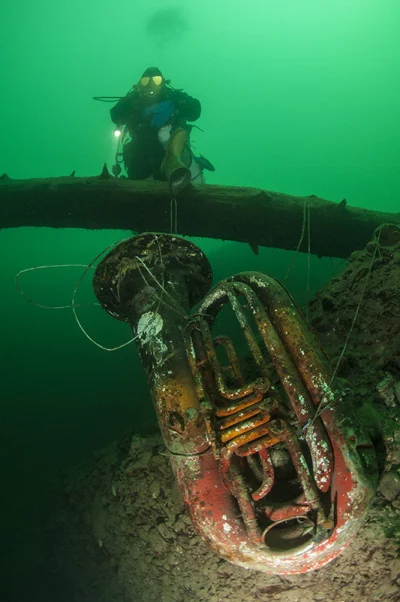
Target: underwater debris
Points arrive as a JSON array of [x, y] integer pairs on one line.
[[386, 390], [254, 247], [390, 485], [239, 213], [105, 174], [167, 25], [173, 348]]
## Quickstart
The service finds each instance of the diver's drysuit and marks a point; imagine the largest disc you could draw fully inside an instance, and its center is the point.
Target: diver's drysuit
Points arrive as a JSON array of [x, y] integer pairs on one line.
[[150, 127]]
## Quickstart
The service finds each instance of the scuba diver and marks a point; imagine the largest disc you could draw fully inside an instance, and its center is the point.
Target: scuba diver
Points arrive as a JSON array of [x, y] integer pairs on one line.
[[156, 117]]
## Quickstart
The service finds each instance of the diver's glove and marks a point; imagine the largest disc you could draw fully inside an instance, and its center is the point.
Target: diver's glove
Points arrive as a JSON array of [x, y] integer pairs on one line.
[[159, 113]]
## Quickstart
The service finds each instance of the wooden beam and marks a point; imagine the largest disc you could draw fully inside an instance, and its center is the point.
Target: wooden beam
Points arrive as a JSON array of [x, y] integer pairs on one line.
[[257, 217]]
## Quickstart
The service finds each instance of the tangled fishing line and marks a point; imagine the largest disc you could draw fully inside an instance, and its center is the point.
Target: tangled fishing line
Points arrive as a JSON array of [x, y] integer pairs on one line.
[[73, 305]]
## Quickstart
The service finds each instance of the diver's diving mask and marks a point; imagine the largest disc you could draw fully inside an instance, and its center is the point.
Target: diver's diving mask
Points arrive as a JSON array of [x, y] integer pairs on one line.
[[150, 85], [155, 79]]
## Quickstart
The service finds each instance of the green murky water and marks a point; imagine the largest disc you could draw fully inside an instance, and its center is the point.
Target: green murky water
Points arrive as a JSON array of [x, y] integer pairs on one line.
[[298, 97]]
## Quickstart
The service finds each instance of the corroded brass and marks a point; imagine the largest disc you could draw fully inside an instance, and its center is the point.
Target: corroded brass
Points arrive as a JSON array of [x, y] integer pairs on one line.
[[270, 483]]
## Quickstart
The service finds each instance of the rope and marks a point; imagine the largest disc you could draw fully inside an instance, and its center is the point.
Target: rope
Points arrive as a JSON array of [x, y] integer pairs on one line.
[[303, 227], [173, 216], [308, 256]]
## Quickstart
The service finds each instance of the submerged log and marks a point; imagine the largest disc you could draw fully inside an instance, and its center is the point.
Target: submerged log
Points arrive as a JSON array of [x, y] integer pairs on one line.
[[250, 215]]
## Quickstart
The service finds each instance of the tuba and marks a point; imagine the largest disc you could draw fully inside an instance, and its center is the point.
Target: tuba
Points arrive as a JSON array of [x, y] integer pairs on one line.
[[275, 471]]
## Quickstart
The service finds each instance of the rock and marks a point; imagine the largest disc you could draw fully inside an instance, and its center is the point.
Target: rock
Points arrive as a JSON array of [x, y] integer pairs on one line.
[[164, 531], [180, 526], [154, 489], [397, 391], [142, 462], [386, 390], [327, 303], [155, 541], [395, 569], [390, 485]]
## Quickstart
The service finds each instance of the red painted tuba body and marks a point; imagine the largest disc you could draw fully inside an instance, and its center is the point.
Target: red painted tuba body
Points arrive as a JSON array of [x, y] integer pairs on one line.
[[274, 469]]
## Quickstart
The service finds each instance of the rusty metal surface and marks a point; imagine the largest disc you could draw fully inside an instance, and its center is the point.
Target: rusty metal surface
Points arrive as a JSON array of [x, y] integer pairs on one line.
[[151, 281], [330, 459], [269, 485]]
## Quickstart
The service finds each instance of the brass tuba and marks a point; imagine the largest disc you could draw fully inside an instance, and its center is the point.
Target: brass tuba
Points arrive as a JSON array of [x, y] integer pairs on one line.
[[275, 471]]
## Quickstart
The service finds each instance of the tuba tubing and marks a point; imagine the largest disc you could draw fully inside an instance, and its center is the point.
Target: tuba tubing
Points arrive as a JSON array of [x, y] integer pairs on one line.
[[269, 485]]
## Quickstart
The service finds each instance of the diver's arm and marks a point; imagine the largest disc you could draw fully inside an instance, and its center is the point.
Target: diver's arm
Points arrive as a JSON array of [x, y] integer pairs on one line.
[[124, 108], [189, 108]]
